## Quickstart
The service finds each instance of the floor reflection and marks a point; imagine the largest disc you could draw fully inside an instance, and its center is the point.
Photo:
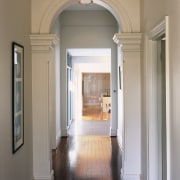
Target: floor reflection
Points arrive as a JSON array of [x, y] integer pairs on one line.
[[87, 157]]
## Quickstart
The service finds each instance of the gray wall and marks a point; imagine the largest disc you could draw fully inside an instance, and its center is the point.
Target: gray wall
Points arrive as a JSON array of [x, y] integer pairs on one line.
[[57, 129], [86, 29], [154, 11], [14, 26]]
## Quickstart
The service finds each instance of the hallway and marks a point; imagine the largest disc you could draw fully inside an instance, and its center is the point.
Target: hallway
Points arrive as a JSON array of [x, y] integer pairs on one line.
[[87, 158]]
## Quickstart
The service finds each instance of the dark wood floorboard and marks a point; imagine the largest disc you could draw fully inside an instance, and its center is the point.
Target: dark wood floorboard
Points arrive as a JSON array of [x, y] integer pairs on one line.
[[87, 158]]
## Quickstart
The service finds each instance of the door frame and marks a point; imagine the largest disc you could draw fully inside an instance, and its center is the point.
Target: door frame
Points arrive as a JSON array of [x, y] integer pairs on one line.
[[78, 87], [162, 29]]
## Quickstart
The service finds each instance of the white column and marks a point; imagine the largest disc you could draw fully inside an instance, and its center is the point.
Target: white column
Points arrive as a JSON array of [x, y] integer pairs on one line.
[[130, 46], [42, 54], [52, 99]]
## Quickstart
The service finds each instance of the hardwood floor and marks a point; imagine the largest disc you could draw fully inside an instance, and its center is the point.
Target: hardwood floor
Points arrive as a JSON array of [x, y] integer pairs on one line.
[[87, 158], [88, 153]]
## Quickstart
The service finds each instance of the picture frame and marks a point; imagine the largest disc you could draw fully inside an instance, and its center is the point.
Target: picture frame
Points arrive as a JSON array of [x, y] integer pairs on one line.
[[17, 96]]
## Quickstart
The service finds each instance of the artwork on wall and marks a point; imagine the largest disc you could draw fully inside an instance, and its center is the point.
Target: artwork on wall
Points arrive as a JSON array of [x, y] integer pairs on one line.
[[17, 96]]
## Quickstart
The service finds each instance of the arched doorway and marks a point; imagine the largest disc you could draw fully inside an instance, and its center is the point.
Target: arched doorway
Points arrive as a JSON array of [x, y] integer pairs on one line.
[[43, 57], [87, 29]]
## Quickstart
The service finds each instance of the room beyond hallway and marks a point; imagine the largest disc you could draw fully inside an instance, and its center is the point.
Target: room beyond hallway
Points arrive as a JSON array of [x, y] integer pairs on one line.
[[96, 96], [87, 158], [95, 113]]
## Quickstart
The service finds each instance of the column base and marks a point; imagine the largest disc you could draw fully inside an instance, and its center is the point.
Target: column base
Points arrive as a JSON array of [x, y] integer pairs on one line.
[[64, 132], [50, 177], [113, 132], [58, 138], [130, 176], [119, 138]]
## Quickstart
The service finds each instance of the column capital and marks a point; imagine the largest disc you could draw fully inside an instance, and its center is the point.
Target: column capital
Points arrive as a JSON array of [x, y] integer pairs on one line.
[[130, 42], [43, 42]]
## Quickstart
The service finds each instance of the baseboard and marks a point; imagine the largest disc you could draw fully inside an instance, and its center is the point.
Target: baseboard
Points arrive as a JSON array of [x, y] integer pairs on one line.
[[113, 132], [119, 138], [131, 176], [64, 132], [58, 138], [50, 177]]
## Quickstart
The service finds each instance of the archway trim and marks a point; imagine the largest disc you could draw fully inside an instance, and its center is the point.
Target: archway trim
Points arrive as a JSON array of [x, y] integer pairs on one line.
[[56, 7]]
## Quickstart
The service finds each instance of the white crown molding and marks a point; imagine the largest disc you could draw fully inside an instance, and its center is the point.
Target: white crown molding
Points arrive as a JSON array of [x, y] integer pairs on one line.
[[128, 41], [158, 31], [43, 42]]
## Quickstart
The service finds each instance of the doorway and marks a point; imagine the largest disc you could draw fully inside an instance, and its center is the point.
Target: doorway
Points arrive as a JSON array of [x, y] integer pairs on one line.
[[158, 93], [91, 85], [43, 53], [96, 96]]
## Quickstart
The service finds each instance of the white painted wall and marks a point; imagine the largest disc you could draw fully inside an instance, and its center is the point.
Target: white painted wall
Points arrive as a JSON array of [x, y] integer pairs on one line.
[[91, 29], [160, 9], [77, 92], [174, 14], [57, 130], [15, 26], [120, 99], [93, 63], [132, 116], [149, 20]]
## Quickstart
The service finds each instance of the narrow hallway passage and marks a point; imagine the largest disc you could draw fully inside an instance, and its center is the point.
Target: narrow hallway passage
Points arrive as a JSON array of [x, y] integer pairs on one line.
[[87, 158]]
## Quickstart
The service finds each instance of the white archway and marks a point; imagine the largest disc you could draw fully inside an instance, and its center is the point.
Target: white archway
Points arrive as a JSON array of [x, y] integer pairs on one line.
[[43, 55], [56, 7]]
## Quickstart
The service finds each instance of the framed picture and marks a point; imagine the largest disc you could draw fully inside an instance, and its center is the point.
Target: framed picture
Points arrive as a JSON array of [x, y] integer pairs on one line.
[[17, 96]]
